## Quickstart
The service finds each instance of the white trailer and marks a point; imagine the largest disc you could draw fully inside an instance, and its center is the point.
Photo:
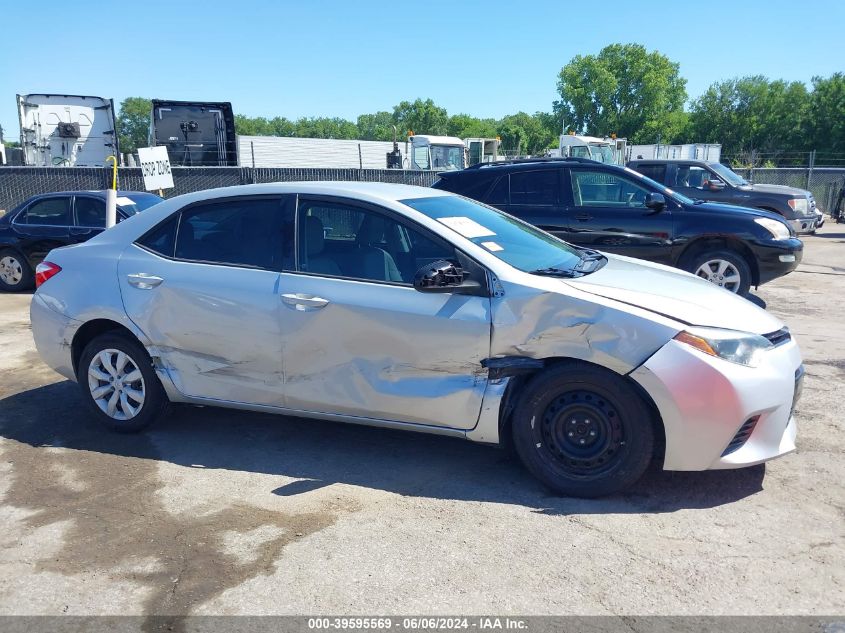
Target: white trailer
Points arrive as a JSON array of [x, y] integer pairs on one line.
[[688, 151], [66, 130], [285, 151], [482, 150]]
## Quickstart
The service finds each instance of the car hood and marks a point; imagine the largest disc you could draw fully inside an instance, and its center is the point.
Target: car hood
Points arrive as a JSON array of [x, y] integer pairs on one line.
[[675, 294], [793, 192], [748, 212]]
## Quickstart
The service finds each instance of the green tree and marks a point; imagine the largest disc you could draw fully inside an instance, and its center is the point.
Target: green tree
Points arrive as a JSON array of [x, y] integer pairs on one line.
[[624, 90], [378, 127], [826, 114], [133, 123], [525, 133], [467, 126], [751, 113], [421, 117]]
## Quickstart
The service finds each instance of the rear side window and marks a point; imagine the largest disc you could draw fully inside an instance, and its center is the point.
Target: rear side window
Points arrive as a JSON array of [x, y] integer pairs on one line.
[[655, 172], [538, 188], [499, 193], [474, 188], [49, 212], [90, 212], [245, 232], [162, 239]]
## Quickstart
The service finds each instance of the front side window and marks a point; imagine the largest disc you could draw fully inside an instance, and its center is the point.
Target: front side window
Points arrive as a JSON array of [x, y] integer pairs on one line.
[[48, 212], [90, 212], [606, 189], [693, 177], [536, 188], [515, 242], [420, 155], [342, 240]]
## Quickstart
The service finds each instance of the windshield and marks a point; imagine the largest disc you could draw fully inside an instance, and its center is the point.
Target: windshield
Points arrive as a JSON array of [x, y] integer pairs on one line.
[[511, 240], [671, 193], [447, 157], [602, 153], [134, 202], [727, 175]]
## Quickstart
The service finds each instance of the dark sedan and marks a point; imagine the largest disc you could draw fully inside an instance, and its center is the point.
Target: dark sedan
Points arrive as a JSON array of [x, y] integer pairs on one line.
[[46, 221]]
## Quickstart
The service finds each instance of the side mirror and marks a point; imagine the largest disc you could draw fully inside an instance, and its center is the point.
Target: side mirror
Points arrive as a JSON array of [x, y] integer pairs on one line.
[[655, 201], [715, 185], [442, 276]]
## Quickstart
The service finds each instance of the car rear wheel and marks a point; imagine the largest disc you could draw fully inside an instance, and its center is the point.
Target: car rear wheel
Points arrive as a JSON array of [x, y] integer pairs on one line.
[[583, 430], [15, 272], [119, 383], [726, 269]]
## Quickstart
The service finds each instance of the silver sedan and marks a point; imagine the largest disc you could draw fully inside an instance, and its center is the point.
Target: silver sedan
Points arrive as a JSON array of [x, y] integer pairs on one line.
[[411, 308]]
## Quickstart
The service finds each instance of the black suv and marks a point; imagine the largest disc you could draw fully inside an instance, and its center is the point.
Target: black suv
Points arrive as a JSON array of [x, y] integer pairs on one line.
[[620, 211], [714, 182]]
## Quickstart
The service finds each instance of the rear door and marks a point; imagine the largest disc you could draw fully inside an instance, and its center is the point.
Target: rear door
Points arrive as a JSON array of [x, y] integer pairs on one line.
[[609, 214], [535, 196], [89, 214], [43, 226], [204, 288]]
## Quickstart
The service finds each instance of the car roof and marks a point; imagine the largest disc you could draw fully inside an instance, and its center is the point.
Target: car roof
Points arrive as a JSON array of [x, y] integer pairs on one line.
[[523, 164], [688, 161], [373, 191], [96, 193]]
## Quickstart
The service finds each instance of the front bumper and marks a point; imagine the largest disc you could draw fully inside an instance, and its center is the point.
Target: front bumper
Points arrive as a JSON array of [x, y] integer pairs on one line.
[[53, 333], [802, 225], [705, 401], [777, 258]]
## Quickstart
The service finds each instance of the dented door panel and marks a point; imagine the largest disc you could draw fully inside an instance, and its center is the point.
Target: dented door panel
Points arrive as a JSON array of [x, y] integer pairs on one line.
[[384, 351], [215, 329]]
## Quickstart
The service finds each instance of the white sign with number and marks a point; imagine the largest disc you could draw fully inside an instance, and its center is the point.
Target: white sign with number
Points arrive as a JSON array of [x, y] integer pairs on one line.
[[155, 165]]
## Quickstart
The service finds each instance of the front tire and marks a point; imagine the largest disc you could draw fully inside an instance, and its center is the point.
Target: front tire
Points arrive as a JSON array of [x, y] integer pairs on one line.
[[726, 269], [119, 384], [15, 272], [583, 430]]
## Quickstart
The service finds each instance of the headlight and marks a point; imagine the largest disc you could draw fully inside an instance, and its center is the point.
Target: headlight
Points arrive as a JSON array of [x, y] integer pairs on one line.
[[799, 205], [778, 229], [737, 347]]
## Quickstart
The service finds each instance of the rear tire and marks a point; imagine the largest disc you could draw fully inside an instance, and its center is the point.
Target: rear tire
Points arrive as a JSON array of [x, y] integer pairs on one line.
[[119, 384], [582, 430], [724, 268], [15, 272]]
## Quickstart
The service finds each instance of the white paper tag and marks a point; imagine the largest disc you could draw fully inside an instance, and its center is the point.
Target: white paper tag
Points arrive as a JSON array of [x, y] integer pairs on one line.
[[492, 246], [124, 201], [466, 227]]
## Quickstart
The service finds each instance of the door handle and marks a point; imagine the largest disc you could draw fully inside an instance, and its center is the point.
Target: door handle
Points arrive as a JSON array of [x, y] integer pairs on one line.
[[301, 301], [144, 281], [583, 217]]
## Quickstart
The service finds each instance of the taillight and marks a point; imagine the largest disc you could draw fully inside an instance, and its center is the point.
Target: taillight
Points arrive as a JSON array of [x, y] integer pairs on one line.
[[44, 271]]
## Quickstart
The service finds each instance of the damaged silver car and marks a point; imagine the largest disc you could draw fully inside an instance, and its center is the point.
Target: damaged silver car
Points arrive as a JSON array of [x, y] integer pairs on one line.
[[411, 308]]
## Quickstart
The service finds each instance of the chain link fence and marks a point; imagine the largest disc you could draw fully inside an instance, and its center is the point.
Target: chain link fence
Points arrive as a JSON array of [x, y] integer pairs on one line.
[[823, 182], [19, 183]]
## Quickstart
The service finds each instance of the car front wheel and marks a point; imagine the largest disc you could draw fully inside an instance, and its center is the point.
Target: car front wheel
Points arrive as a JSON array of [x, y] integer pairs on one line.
[[15, 272], [726, 269], [583, 430], [119, 383]]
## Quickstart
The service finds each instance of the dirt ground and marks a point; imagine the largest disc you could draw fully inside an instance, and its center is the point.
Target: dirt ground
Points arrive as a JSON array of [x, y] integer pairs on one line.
[[222, 512]]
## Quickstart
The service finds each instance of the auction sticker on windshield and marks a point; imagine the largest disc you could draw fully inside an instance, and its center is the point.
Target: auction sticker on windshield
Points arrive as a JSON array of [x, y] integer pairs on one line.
[[465, 226]]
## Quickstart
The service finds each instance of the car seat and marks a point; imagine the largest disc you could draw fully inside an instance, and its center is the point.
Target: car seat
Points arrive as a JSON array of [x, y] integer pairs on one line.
[[314, 240]]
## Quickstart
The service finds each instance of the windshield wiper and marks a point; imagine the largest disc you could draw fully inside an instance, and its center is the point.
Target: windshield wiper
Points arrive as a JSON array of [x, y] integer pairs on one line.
[[557, 272]]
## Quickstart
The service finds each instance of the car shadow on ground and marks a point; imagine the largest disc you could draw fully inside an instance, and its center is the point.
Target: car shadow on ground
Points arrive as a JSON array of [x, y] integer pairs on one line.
[[317, 454]]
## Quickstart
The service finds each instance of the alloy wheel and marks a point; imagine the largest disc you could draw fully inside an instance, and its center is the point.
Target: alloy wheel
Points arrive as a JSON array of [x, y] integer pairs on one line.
[[720, 272]]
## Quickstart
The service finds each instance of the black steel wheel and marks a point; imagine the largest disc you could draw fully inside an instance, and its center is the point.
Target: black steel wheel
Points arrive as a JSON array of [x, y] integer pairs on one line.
[[583, 430]]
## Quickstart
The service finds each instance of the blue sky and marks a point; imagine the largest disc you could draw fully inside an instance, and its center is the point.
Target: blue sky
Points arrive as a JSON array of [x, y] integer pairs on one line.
[[344, 58]]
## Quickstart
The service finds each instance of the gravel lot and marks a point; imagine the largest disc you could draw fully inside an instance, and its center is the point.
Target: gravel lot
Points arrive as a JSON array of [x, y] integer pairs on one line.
[[221, 512]]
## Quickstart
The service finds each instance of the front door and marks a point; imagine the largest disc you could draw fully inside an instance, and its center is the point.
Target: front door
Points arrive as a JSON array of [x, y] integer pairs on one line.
[[89, 214], [204, 289], [608, 213], [695, 181], [359, 340]]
